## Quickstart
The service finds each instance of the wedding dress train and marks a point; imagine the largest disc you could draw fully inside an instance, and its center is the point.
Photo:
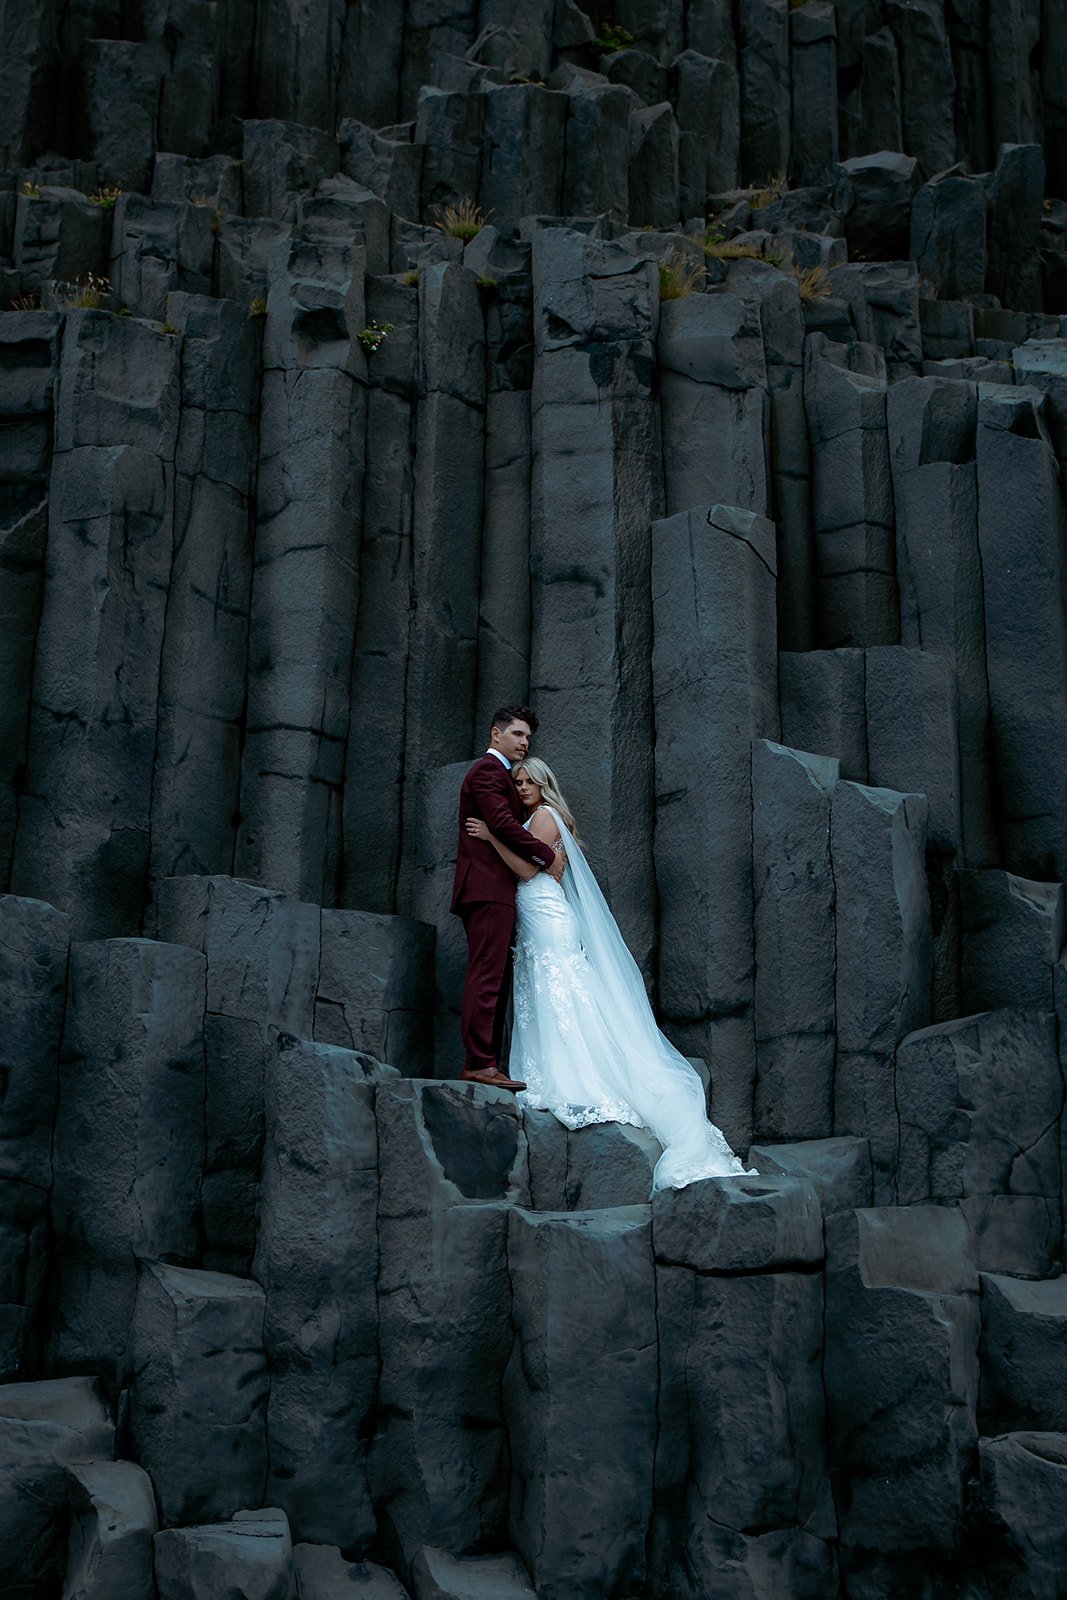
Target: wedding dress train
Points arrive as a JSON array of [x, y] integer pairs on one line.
[[584, 1037]]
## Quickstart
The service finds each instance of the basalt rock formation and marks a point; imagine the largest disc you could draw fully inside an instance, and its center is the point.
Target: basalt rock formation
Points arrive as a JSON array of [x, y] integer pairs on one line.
[[697, 371]]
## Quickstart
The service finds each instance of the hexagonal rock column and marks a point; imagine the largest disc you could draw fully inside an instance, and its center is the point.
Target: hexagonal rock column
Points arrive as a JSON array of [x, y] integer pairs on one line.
[[452, 1160], [441, 682], [794, 941], [595, 486], [306, 578], [129, 1139], [979, 1102], [113, 1518], [34, 940], [252, 1555], [262, 951], [317, 1259], [852, 501], [375, 988], [198, 1393], [882, 921], [1024, 1497], [580, 1398], [196, 777], [713, 399], [714, 670], [901, 1376], [741, 1484], [435, 865], [1025, 626], [911, 704], [935, 496], [1024, 1336], [374, 759], [84, 815]]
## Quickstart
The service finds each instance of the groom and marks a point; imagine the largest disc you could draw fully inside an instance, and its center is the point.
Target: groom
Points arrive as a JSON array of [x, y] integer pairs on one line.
[[483, 894]]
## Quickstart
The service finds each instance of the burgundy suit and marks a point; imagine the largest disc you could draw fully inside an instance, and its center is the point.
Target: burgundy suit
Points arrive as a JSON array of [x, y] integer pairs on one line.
[[483, 895]]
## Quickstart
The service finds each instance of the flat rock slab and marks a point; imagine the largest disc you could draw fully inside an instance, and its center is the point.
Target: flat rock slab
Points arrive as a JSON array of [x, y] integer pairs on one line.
[[439, 1576], [839, 1170], [746, 1224], [323, 1573], [249, 1558]]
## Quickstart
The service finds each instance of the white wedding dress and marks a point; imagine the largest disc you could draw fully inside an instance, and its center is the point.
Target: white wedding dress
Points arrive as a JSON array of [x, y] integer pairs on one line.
[[584, 1037]]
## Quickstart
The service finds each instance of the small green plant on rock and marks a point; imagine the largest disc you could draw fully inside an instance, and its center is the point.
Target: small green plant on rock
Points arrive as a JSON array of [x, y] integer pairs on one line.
[[410, 280], [372, 335], [680, 275], [486, 285], [613, 38], [257, 307], [32, 191], [461, 221], [26, 302], [108, 198], [774, 255]]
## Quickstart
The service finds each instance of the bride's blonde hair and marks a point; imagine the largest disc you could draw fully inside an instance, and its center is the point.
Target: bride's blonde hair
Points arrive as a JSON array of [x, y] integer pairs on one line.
[[542, 774]]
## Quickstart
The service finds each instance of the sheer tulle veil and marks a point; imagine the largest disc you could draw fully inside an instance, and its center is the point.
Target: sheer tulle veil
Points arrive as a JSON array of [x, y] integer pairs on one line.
[[651, 1075]]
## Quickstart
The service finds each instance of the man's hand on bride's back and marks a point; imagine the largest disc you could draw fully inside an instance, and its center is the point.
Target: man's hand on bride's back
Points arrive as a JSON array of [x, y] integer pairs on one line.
[[556, 869], [477, 828]]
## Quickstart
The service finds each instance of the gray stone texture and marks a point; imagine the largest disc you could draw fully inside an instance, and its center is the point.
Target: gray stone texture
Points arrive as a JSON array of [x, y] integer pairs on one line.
[[113, 1519], [451, 1157], [34, 942], [317, 1259], [595, 486], [251, 1555], [979, 1101], [262, 954], [793, 910], [580, 1499], [901, 1374], [131, 1082], [883, 967], [715, 690], [199, 1384], [1025, 628], [852, 501]]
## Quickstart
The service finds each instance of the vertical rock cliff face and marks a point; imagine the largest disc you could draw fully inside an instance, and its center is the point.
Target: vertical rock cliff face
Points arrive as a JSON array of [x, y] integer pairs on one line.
[[697, 371]]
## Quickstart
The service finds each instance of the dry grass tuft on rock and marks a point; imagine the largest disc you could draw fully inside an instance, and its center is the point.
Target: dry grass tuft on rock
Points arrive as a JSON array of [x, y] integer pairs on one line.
[[680, 274], [461, 221], [813, 283]]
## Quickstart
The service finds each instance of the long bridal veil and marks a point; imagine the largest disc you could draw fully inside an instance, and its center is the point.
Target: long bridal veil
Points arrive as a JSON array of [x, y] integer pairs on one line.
[[646, 1071]]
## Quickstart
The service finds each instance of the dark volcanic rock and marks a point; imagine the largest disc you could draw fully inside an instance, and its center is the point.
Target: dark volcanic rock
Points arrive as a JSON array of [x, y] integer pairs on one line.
[[199, 1386]]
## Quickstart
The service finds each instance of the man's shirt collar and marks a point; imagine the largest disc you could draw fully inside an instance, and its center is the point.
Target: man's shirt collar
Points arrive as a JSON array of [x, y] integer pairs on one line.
[[499, 756]]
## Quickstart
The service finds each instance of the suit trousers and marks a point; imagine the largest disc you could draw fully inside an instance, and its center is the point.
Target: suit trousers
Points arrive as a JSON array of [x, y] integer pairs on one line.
[[489, 926]]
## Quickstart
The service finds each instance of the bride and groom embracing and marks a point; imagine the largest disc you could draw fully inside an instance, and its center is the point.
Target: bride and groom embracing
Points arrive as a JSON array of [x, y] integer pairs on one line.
[[584, 1042]]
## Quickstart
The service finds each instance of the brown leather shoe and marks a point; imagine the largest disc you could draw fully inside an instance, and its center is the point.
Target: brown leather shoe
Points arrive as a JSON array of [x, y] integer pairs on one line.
[[492, 1077]]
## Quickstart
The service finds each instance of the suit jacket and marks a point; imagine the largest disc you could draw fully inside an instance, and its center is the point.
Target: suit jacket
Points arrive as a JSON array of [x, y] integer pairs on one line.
[[489, 792]]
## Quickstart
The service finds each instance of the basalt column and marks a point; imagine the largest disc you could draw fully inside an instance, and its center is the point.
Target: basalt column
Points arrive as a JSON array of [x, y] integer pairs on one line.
[[595, 489]]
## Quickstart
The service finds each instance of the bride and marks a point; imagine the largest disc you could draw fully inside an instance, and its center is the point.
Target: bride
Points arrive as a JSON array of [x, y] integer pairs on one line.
[[584, 1037]]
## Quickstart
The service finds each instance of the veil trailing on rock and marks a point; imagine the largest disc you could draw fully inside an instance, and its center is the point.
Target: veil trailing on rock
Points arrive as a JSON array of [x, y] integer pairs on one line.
[[644, 1071]]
